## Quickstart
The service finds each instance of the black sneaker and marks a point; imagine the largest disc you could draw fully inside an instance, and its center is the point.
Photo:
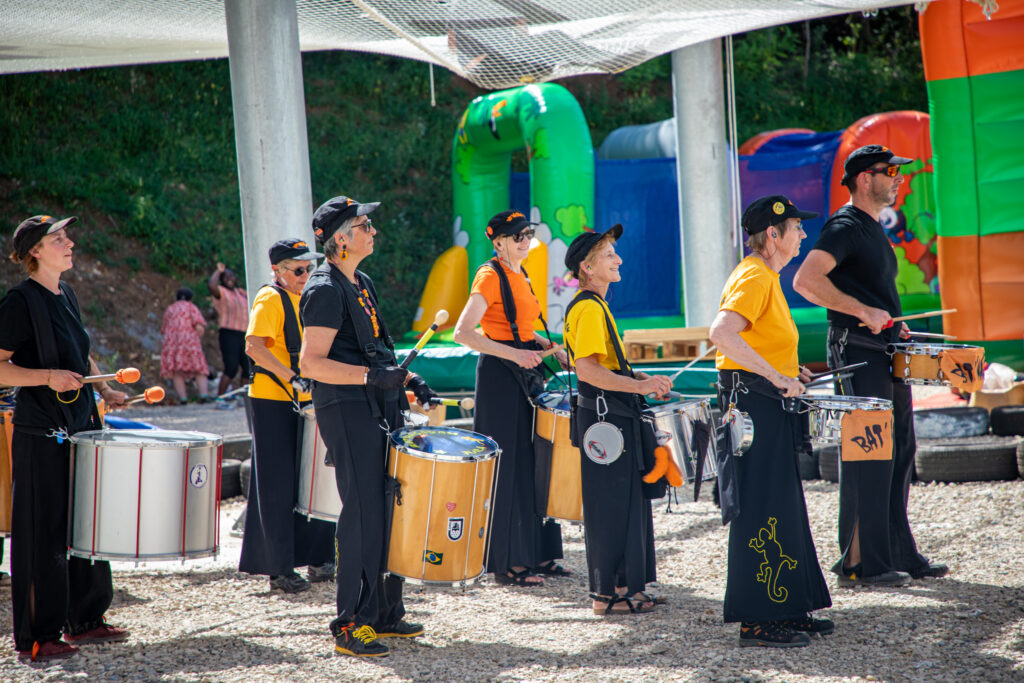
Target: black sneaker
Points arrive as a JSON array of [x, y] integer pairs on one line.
[[359, 642], [932, 570], [402, 629], [289, 583], [771, 634], [883, 579], [321, 573], [809, 624]]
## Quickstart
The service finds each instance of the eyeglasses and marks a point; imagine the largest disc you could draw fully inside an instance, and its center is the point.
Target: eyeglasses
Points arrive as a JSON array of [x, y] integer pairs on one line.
[[891, 171], [367, 227], [301, 270], [523, 235]]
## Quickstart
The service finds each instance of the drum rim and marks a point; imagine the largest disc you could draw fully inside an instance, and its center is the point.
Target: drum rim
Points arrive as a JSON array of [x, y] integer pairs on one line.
[[460, 583], [445, 457], [926, 348], [555, 411], [163, 557], [660, 410], [846, 403], [87, 438]]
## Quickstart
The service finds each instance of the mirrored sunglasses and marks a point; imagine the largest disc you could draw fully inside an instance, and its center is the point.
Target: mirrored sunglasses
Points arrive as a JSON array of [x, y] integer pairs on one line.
[[891, 171], [526, 234], [302, 270]]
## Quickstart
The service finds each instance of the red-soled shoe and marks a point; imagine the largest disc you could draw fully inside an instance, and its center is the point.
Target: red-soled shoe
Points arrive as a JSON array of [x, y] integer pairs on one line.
[[104, 633]]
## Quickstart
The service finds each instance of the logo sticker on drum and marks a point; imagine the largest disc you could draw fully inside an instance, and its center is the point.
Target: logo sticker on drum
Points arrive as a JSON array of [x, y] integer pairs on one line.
[[450, 507], [197, 476], [431, 557], [455, 525]]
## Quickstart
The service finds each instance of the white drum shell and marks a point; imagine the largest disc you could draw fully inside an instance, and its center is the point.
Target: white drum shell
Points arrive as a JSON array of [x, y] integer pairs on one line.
[[677, 419], [145, 494]]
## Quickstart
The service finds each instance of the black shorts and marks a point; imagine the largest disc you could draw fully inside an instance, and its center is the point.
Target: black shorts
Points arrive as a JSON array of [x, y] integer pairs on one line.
[[232, 350]]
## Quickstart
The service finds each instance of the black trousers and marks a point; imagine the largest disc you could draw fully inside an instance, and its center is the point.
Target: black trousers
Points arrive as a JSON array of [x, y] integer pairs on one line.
[[277, 539], [617, 522], [873, 494], [357, 444], [49, 592], [519, 536], [232, 351], [773, 570]]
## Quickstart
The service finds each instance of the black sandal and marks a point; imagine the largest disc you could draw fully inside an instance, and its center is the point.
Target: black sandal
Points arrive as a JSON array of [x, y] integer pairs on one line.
[[655, 599], [635, 606], [514, 578], [552, 568]]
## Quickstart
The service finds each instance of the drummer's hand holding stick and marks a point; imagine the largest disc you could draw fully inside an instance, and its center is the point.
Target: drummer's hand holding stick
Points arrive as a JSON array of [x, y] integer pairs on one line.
[[419, 387], [659, 385], [63, 380], [805, 374], [440, 318], [789, 386], [560, 356]]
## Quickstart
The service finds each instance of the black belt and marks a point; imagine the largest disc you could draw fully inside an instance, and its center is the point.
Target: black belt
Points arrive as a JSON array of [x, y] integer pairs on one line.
[[615, 406]]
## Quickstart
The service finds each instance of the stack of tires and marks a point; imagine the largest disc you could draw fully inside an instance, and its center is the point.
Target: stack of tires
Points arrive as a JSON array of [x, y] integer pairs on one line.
[[957, 444]]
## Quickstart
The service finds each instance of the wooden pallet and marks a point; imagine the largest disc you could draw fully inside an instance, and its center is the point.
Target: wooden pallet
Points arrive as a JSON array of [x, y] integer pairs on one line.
[[668, 344]]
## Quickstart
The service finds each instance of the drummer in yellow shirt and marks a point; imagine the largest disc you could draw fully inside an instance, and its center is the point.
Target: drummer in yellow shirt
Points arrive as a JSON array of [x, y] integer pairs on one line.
[[617, 520], [773, 581], [277, 539]]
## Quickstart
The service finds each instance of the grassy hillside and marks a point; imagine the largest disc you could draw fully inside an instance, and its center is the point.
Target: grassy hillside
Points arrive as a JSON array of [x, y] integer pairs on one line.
[[146, 153]]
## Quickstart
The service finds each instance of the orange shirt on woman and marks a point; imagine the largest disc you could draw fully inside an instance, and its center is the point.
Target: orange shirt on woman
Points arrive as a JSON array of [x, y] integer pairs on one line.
[[494, 322]]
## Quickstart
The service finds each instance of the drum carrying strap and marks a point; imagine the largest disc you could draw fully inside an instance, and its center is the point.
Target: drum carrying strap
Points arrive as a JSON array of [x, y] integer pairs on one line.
[[292, 342]]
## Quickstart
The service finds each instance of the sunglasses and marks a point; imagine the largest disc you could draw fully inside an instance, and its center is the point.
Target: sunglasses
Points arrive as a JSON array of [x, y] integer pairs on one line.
[[523, 235], [366, 227], [891, 171], [302, 270]]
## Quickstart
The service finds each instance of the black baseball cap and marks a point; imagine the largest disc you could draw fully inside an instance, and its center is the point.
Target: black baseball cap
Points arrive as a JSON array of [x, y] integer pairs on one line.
[[507, 223], [291, 248], [31, 230], [332, 213], [863, 158], [771, 210], [581, 246]]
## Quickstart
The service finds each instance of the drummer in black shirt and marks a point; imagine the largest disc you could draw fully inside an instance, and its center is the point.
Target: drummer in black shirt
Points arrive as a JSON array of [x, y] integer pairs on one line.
[[358, 396], [44, 350], [852, 271]]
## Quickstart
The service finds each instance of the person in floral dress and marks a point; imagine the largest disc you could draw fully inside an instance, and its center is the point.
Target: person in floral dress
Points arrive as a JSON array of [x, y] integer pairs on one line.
[[181, 357]]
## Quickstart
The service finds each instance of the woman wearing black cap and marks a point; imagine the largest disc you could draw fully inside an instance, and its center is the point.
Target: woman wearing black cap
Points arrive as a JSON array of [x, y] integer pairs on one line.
[[277, 538], [773, 581], [616, 503], [502, 302], [358, 394], [44, 349]]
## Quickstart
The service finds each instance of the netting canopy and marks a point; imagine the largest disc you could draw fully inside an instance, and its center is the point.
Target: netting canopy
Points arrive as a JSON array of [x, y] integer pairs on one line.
[[493, 43]]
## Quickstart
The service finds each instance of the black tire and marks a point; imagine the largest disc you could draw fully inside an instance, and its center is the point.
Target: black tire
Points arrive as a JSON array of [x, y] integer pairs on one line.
[[229, 484], [808, 463], [828, 462], [1007, 420], [980, 458], [950, 423], [243, 476]]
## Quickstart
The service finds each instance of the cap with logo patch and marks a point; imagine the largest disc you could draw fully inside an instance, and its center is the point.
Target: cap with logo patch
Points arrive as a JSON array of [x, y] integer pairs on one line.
[[31, 230], [332, 213], [771, 210], [292, 248]]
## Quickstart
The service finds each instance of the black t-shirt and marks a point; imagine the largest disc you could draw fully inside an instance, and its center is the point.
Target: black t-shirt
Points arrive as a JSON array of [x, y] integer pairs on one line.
[[323, 305], [36, 407], [866, 265]]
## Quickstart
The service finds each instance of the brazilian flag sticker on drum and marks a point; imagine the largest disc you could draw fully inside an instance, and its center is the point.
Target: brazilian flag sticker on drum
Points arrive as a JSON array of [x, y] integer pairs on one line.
[[431, 557]]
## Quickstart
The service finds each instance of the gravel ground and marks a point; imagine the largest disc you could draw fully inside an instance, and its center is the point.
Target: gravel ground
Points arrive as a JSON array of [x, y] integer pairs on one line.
[[203, 621]]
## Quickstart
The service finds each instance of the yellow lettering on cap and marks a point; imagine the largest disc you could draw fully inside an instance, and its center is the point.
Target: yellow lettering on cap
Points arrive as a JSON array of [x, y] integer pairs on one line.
[[778, 208]]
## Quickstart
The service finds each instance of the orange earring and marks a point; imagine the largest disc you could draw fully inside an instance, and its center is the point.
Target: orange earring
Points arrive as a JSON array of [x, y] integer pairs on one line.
[[344, 252]]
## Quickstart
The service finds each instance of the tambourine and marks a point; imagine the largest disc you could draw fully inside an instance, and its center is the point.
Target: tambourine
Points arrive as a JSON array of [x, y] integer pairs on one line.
[[603, 443]]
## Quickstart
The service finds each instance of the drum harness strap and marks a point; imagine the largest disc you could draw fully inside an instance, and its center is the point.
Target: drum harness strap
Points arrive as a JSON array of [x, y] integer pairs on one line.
[[292, 342], [46, 345], [838, 338]]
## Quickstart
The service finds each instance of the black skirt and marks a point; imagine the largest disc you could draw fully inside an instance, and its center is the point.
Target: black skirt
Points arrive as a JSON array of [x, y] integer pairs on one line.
[[519, 536], [773, 570], [618, 525]]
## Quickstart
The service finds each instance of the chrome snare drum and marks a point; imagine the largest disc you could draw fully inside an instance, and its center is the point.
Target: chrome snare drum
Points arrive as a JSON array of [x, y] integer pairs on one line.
[[676, 419], [317, 497], [827, 413], [145, 494]]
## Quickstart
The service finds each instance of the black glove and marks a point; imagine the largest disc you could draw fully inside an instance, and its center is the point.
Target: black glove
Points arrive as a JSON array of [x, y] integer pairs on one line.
[[387, 379], [301, 384], [418, 386]]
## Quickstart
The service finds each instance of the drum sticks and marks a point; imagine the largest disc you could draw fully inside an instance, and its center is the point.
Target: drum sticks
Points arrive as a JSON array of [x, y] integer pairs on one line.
[[466, 403], [691, 363], [122, 376], [440, 319], [151, 395], [552, 350], [929, 314]]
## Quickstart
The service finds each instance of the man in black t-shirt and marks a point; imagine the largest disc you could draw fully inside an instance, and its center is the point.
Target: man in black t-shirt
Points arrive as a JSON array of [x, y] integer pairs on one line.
[[851, 271]]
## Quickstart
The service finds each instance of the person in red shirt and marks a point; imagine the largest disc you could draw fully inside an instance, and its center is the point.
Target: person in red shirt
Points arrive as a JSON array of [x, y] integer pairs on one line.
[[522, 545], [232, 305]]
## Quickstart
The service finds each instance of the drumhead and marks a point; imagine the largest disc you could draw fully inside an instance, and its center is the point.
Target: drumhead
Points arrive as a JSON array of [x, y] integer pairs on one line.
[[846, 403], [556, 402], [444, 443], [924, 348], [141, 438], [688, 406]]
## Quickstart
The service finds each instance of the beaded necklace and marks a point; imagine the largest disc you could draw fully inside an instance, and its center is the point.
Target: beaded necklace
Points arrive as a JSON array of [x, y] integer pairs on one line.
[[367, 304]]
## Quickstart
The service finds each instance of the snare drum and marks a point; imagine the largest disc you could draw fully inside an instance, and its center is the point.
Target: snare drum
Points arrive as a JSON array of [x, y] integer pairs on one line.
[[441, 522], [677, 420], [317, 497], [852, 422], [959, 365], [557, 460], [6, 471], [145, 494]]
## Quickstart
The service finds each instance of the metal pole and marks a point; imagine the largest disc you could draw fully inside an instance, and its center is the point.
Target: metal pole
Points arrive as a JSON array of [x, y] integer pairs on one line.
[[270, 129], [702, 170]]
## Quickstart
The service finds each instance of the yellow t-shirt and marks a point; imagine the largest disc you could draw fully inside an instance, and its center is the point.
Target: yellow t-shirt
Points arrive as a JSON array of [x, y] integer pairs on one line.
[[754, 292], [586, 333], [267, 320]]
